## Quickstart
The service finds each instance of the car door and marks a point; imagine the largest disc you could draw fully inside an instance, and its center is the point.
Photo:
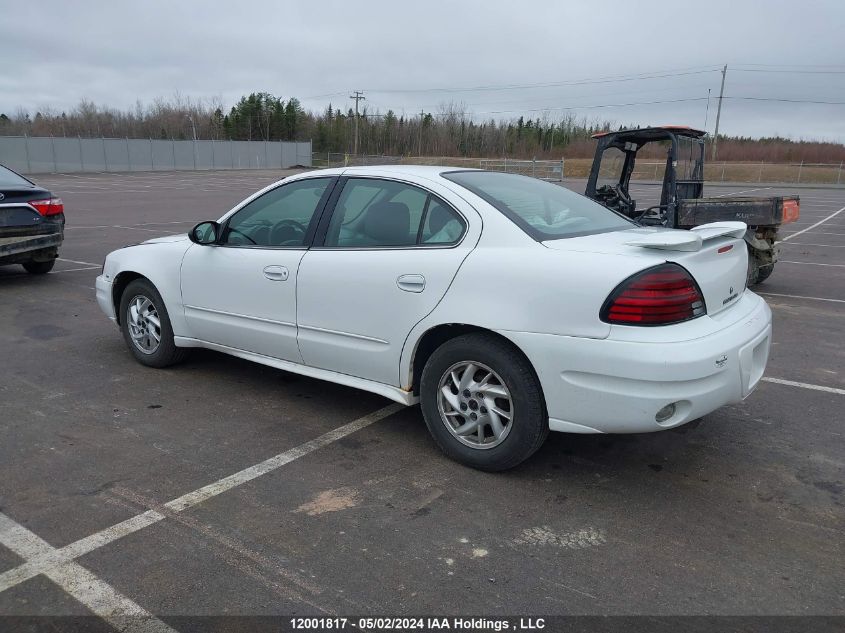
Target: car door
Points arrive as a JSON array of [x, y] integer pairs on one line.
[[241, 291], [382, 261]]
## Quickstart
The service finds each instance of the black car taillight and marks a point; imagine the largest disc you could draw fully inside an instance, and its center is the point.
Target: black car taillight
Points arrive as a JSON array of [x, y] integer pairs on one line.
[[48, 206], [661, 295]]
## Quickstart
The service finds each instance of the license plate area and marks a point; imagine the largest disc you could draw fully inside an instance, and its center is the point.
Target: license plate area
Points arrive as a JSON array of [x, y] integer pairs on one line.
[[19, 215], [753, 359]]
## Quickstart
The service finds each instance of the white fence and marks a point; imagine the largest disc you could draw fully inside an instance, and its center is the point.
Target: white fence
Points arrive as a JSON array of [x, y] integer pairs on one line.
[[40, 155]]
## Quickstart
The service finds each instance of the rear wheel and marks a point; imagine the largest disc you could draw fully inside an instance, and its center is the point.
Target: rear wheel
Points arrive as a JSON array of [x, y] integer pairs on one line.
[[760, 266], [763, 272], [146, 326], [483, 403], [39, 268]]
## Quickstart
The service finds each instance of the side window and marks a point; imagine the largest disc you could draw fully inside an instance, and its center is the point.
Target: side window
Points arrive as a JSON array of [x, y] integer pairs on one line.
[[379, 213], [442, 225], [278, 218]]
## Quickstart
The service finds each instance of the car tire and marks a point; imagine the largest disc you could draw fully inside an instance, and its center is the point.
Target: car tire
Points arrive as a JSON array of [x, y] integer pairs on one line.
[[141, 306], [764, 272], [506, 384], [39, 268]]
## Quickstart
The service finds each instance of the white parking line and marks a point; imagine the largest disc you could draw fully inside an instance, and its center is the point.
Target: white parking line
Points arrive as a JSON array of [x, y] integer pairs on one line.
[[786, 261], [73, 270], [157, 223], [805, 385], [830, 217], [40, 565], [135, 228], [776, 294], [824, 245], [100, 597], [73, 261], [736, 193], [128, 226]]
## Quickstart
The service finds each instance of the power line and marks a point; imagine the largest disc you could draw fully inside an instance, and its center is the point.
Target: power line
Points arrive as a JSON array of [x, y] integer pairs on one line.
[[554, 84], [600, 105], [323, 96], [797, 72], [788, 100], [568, 96], [795, 65]]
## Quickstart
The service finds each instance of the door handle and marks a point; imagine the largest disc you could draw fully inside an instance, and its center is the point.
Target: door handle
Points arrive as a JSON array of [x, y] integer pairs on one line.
[[411, 283], [276, 273]]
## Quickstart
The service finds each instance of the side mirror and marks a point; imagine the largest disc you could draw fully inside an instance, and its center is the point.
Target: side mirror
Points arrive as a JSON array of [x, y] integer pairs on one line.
[[204, 233]]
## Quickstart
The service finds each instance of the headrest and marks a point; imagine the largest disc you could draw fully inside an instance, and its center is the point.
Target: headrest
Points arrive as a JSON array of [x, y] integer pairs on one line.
[[388, 222], [438, 217]]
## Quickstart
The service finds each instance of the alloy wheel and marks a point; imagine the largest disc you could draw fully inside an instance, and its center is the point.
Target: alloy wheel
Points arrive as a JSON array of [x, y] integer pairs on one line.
[[144, 324], [475, 405]]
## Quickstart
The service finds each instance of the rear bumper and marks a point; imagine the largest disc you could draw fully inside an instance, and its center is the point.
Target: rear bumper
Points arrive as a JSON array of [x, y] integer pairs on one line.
[[613, 386], [23, 230], [103, 290], [12, 249]]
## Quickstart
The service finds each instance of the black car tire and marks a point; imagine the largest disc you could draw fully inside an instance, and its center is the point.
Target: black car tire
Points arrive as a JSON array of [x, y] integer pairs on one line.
[[166, 353], [530, 424], [39, 268]]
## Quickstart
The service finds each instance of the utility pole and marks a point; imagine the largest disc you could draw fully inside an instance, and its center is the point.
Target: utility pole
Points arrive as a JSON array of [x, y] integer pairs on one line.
[[719, 112], [357, 96], [193, 126], [419, 139]]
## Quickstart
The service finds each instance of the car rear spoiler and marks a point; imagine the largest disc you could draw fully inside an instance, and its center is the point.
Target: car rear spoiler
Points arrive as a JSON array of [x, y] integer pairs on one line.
[[691, 240]]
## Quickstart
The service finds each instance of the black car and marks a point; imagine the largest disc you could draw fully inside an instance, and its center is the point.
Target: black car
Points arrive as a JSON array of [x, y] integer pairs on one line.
[[32, 223]]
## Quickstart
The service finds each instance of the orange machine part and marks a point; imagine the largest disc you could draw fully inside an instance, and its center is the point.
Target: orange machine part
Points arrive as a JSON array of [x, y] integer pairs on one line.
[[791, 211]]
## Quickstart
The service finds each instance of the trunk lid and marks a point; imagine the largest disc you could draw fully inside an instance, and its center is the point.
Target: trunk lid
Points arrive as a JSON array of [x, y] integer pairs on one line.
[[22, 193], [718, 263]]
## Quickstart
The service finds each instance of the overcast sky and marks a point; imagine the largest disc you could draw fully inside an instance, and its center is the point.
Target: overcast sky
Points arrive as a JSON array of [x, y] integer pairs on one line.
[[411, 55]]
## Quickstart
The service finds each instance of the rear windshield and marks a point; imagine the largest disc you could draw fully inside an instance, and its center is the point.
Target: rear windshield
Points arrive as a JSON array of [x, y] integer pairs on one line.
[[8, 178], [541, 209]]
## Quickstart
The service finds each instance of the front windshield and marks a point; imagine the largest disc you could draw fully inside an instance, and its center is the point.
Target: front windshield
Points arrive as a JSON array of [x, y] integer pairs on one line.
[[543, 210], [610, 167]]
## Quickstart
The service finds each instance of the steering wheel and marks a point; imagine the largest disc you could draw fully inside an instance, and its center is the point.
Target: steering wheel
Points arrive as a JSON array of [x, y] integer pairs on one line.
[[287, 230]]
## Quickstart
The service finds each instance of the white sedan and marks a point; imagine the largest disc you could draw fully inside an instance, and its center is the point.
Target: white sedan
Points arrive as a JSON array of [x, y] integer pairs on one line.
[[506, 306]]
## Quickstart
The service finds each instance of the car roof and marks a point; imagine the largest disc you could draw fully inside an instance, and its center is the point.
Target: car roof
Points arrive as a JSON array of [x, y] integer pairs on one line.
[[424, 171]]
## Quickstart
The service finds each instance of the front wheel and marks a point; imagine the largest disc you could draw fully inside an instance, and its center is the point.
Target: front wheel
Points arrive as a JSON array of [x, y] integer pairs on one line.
[[482, 402], [146, 327]]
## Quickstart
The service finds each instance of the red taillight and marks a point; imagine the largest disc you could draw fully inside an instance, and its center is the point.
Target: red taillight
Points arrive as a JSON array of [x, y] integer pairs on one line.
[[48, 206], [661, 295]]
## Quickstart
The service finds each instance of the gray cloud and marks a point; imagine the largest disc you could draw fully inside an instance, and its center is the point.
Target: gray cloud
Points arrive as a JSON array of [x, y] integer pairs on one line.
[[52, 54]]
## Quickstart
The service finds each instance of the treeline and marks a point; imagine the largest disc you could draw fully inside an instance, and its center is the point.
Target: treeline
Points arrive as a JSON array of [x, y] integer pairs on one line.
[[449, 132]]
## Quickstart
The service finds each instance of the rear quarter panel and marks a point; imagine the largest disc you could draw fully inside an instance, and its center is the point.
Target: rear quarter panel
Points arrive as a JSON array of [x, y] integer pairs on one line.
[[527, 289]]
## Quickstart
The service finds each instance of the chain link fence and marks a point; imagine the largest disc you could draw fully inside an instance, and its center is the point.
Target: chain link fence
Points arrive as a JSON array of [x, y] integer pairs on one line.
[[645, 170], [732, 171], [40, 155]]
